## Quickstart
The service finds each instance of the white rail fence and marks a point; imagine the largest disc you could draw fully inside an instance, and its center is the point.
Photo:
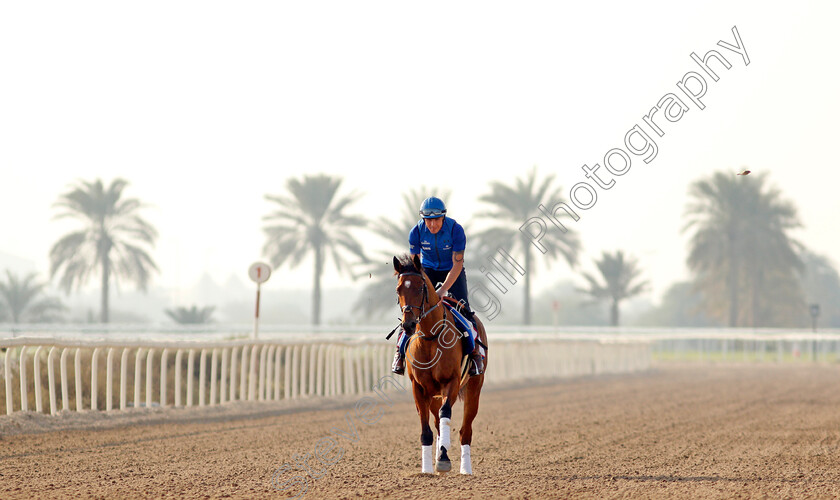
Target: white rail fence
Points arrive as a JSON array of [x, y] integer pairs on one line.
[[189, 373], [762, 346]]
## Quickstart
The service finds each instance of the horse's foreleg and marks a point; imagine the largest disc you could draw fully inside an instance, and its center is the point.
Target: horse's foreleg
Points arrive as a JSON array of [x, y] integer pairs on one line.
[[445, 419], [473, 392], [421, 400], [434, 409]]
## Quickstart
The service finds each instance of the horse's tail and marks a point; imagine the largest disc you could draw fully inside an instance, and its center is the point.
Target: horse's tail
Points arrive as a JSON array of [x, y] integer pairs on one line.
[[462, 394]]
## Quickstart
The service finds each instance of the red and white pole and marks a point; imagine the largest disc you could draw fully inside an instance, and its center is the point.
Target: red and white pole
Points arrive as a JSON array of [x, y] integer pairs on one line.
[[259, 272], [257, 314]]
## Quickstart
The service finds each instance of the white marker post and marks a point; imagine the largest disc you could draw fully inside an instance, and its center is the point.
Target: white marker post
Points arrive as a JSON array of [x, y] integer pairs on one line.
[[259, 272]]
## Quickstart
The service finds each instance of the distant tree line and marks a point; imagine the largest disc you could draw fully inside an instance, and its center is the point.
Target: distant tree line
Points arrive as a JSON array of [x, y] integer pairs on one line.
[[747, 270]]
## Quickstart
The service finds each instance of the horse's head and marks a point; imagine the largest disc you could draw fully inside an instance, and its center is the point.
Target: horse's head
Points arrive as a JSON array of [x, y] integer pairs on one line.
[[412, 292]]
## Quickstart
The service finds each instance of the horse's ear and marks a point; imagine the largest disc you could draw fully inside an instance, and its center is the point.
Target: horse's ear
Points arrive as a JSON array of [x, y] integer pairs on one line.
[[397, 265], [417, 263]]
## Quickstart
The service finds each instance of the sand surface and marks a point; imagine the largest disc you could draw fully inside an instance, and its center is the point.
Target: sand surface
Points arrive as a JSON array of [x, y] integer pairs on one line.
[[678, 431]]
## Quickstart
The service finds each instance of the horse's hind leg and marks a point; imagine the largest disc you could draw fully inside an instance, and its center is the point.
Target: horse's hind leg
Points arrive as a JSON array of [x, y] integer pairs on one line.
[[473, 392], [421, 400]]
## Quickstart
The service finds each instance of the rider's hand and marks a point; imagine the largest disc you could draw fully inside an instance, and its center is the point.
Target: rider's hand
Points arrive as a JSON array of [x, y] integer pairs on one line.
[[442, 293]]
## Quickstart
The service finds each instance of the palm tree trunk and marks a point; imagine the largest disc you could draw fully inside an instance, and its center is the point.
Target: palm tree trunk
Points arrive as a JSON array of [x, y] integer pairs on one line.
[[733, 298], [614, 313], [316, 286], [757, 287], [526, 309], [733, 282], [106, 275]]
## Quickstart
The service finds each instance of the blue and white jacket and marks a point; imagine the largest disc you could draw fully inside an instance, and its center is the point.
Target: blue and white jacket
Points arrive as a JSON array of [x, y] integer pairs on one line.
[[435, 250]]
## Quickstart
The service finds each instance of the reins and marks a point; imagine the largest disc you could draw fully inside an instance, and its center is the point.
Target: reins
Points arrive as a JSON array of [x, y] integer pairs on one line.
[[423, 313]]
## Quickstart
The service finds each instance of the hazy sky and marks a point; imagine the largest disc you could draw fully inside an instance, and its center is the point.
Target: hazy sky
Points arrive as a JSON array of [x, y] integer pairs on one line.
[[204, 107]]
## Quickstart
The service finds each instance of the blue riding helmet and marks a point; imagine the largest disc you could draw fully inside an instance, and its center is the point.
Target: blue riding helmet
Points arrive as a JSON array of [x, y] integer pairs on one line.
[[432, 208]]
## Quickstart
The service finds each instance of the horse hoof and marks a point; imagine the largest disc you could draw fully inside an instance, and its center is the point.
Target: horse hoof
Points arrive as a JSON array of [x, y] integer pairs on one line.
[[444, 466]]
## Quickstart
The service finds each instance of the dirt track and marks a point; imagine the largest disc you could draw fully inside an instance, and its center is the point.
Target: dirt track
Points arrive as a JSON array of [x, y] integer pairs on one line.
[[676, 432]]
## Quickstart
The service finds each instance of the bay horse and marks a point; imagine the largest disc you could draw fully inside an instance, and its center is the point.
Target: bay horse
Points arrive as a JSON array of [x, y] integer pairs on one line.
[[435, 365]]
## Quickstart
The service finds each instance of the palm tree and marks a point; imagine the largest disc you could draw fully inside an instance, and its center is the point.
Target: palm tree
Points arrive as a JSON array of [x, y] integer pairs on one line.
[[512, 206], [312, 219], [743, 259], [112, 240], [19, 301], [378, 296], [192, 315], [620, 281]]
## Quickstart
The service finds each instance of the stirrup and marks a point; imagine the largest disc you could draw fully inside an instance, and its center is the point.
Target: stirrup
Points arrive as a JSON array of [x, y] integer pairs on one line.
[[476, 365]]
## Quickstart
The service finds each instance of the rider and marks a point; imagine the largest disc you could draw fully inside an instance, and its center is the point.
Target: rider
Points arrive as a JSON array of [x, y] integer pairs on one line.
[[440, 241]]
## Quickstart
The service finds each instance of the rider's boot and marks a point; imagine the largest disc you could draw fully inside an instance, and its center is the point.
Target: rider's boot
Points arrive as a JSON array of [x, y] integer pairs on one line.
[[476, 360], [398, 366]]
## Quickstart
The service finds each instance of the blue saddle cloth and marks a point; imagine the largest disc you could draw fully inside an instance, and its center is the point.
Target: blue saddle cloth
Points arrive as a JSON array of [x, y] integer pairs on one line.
[[465, 326]]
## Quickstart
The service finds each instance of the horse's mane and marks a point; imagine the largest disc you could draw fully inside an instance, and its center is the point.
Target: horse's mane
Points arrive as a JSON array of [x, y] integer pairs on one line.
[[406, 264]]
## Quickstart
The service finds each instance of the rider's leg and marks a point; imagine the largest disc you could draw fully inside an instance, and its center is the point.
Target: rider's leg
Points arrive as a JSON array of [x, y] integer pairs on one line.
[[459, 292], [398, 365], [476, 360], [436, 277]]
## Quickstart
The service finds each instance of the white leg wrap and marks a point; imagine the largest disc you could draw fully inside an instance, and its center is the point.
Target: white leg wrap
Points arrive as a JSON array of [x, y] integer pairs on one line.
[[466, 461], [443, 438], [428, 460]]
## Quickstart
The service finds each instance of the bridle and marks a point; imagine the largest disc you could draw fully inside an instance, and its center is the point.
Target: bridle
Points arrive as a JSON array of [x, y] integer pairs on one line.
[[423, 313]]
